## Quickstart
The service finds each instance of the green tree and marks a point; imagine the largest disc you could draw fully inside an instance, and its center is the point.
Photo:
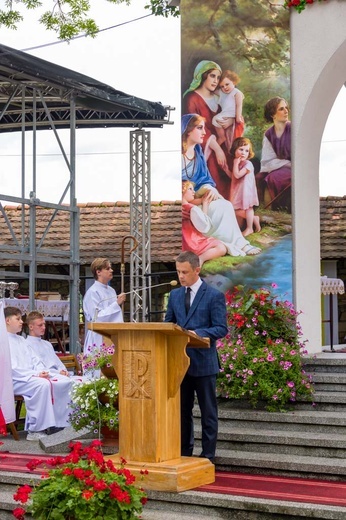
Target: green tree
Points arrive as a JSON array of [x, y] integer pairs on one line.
[[68, 18]]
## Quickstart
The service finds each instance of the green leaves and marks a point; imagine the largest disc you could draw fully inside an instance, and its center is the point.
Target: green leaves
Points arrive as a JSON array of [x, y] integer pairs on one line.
[[161, 8], [69, 18], [81, 486]]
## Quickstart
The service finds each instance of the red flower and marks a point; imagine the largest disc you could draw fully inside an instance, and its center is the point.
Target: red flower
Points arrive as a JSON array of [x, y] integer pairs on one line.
[[87, 494], [33, 464], [100, 485], [22, 494], [19, 513]]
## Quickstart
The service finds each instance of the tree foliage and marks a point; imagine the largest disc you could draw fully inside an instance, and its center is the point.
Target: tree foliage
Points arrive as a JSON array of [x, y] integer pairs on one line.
[[68, 18]]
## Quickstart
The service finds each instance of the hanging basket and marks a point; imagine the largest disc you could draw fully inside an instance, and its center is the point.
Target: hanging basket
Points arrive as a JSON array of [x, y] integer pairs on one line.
[[109, 372]]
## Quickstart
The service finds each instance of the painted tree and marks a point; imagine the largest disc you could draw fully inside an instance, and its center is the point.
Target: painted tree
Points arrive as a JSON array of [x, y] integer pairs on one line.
[[68, 18]]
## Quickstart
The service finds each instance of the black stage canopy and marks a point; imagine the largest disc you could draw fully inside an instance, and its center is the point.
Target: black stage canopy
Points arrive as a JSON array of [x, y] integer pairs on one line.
[[32, 88]]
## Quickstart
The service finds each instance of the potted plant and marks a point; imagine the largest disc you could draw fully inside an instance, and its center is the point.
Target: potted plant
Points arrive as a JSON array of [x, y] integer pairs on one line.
[[99, 359], [261, 356], [94, 405], [80, 486]]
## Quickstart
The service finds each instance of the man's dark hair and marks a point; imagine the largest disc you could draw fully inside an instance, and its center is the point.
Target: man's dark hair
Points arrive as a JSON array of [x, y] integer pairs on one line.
[[188, 256]]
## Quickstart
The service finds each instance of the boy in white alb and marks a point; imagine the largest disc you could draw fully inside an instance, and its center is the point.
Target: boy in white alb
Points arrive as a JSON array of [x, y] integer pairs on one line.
[[101, 303], [45, 397], [44, 349]]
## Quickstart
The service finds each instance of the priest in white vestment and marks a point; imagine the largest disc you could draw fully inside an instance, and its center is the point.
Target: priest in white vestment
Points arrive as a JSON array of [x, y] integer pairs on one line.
[[46, 396], [101, 303]]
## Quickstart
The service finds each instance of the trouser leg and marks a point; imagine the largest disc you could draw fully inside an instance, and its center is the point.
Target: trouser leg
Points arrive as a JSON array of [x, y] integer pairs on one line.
[[187, 396]]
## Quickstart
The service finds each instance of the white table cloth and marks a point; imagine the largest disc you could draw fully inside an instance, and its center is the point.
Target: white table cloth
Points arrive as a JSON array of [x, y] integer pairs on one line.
[[49, 309], [332, 285]]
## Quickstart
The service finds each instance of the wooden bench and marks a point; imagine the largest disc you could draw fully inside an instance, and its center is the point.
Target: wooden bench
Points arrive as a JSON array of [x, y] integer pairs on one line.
[[71, 363]]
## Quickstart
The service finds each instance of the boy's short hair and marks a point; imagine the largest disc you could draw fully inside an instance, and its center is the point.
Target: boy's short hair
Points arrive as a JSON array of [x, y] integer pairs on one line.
[[12, 311], [98, 264], [34, 315]]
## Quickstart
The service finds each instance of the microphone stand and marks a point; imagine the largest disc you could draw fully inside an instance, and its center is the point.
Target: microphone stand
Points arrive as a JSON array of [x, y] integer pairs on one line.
[[173, 283]]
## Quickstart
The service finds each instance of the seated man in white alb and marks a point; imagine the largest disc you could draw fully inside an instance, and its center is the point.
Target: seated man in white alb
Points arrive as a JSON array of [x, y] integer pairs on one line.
[[46, 397], [44, 349]]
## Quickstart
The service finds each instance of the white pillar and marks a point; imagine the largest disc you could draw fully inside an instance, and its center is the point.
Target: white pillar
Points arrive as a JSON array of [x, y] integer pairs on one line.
[[318, 70]]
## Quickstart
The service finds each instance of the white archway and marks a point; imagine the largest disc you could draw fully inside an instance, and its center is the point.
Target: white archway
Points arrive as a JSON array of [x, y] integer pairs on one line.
[[318, 65]]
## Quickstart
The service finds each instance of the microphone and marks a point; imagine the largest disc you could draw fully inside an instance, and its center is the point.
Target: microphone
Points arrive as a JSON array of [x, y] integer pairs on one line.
[[173, 283]]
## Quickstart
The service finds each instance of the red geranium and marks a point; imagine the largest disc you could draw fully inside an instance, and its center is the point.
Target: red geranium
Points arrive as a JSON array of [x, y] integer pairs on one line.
[[82, 485]]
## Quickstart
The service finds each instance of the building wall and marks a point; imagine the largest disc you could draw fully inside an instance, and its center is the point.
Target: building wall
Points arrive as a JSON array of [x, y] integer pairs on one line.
[[341, 266], [318, 65]]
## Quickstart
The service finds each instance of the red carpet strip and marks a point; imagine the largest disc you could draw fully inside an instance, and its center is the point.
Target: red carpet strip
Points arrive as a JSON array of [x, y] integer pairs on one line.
[[17, 462], [313, 491], [279, 488]]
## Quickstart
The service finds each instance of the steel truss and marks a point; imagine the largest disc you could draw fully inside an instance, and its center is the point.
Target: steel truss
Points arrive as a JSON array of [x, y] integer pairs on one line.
[[140, 209], [35, 95], [28, 250]]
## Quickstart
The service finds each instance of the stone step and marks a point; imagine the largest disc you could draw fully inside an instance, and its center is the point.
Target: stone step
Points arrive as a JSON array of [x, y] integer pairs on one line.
[[199, 505], [324, 401], [281, 464], [231, 507], [330, 377], [298, 420], [329, 382], [232, 438], [315, 365], [329, 387]]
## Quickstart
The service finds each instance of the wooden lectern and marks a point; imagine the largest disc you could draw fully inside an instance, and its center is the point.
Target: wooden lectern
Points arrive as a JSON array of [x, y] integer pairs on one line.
[[150, 361]]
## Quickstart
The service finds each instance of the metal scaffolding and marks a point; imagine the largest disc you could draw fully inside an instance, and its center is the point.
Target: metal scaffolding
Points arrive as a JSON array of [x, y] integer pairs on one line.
[[140, 209], [34, 95]]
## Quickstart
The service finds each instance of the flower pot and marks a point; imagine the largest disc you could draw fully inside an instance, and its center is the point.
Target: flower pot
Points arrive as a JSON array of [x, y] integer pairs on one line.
[[104, 398], [110, 437], [109, 372]]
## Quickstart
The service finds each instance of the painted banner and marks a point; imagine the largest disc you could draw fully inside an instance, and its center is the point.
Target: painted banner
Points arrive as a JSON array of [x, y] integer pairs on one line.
[[236, 141]]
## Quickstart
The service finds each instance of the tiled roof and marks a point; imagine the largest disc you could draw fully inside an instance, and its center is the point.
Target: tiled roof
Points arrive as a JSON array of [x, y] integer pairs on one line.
[[104, 225], [102, 228], [333, 227]]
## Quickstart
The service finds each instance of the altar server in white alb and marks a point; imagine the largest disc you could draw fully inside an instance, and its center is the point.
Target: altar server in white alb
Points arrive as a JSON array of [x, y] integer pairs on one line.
[[46, 396], [44, 350], [101, 302]]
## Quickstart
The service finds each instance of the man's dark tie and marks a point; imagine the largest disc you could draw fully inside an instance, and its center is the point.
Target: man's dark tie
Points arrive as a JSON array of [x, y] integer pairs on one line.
[[187, 299]]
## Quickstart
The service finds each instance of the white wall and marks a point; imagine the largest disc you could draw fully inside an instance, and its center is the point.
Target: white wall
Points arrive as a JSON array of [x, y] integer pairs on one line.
[[318, 71]]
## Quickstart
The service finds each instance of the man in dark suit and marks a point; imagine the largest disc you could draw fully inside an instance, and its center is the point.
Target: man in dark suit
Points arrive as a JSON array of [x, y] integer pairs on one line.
[[205, 315]]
